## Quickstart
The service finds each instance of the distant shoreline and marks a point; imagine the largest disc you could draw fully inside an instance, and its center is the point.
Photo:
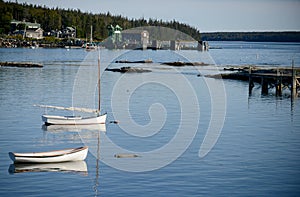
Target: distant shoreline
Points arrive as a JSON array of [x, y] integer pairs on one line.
[[288, 36], [282, 36]]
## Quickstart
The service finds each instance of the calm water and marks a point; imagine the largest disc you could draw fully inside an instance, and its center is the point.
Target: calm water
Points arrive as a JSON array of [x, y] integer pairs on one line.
[[256, 153]]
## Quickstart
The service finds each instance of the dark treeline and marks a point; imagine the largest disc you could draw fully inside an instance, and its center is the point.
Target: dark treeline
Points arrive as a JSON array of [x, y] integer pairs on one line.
[[253, 36], [56, 19]]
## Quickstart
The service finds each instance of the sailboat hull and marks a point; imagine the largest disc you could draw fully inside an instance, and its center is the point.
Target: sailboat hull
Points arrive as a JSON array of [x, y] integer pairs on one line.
[[73, 120]]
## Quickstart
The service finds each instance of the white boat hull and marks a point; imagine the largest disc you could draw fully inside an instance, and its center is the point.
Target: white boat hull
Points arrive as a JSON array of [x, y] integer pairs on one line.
[[72, 166], [73, 120], [74, 154], [74, 128]]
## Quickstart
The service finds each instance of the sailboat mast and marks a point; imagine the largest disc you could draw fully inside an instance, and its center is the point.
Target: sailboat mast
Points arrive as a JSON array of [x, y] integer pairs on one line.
[[99, 81], [91, 39]]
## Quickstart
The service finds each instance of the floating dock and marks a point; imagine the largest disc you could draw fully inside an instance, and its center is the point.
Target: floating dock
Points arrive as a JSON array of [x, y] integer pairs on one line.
[[21, 64]]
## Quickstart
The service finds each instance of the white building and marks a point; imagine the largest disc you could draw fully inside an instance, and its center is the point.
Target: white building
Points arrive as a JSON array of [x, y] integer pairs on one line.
[[30, 30]]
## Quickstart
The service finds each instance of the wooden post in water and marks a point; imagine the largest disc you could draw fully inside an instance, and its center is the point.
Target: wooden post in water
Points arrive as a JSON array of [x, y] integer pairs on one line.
[[251, 84], [264, 86], [294, 83], [278, 84]]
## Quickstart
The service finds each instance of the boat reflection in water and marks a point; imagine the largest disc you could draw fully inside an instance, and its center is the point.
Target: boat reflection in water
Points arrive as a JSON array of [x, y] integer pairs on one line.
[[74, 128], [68, 167]]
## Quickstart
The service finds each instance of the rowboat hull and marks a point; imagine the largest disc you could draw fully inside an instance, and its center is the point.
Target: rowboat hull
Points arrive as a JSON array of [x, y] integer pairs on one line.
[[73, 120], [74, 154], [72, 166], [74, 128]]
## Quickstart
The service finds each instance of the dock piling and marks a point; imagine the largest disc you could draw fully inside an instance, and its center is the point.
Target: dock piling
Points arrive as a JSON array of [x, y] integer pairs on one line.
[[278, 85], [280, 79], [251, 84], [264, 86], [294, 92]]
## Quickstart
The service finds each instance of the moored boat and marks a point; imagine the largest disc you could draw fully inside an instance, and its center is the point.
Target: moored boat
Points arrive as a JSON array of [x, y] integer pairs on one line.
[[74, 128], [90, 46], [73, 120], [76, 120], [72, 166], [72, 154]]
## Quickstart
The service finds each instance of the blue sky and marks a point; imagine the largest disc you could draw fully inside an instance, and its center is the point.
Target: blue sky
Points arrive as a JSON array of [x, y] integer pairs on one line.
[[205, 15]]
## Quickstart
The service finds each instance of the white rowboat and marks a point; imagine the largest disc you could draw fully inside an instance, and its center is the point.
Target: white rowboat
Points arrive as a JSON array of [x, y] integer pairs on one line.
[[72, 166], [73, 154]]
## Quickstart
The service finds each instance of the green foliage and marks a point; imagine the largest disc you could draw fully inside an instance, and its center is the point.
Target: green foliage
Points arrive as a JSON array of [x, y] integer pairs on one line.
[[56, 18], [51, 40], [5, 18], [16, 37]]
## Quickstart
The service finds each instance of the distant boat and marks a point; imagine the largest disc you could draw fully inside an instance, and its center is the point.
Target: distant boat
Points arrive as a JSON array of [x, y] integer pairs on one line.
[[73, 154], [76, 120], [91, 45]]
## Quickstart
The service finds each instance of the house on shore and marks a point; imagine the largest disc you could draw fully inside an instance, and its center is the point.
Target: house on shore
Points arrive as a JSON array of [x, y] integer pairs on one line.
[[68, 32], [27, 29]]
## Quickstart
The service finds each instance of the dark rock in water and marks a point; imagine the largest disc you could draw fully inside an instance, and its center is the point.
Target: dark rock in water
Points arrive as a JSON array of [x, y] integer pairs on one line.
[[174, 63], [126, 155], [185, 63], [127, 69], [21, 64], [234, 69], [114, 122], [129, 62]]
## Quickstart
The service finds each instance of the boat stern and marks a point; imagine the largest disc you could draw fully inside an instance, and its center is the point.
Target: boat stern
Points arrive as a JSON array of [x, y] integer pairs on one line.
[[12, 156], [44, 119]]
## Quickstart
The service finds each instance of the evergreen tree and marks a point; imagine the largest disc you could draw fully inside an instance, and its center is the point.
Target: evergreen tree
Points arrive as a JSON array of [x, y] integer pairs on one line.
[[56, 19]]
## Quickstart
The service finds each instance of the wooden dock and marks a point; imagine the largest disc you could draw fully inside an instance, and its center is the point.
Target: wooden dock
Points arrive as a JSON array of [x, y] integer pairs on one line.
[[267, 78], [21, 64], [282, 78]]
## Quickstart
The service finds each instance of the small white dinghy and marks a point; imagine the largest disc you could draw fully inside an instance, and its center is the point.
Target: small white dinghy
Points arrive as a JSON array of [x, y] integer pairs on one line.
[[72, 154]]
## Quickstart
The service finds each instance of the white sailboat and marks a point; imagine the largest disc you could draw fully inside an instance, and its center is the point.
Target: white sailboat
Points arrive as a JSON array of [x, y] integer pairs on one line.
[[76, 120], [74, 128], [73, 120]]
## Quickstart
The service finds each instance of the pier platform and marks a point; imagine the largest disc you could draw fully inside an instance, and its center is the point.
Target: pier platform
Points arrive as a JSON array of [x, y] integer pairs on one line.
[[267, 78]]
